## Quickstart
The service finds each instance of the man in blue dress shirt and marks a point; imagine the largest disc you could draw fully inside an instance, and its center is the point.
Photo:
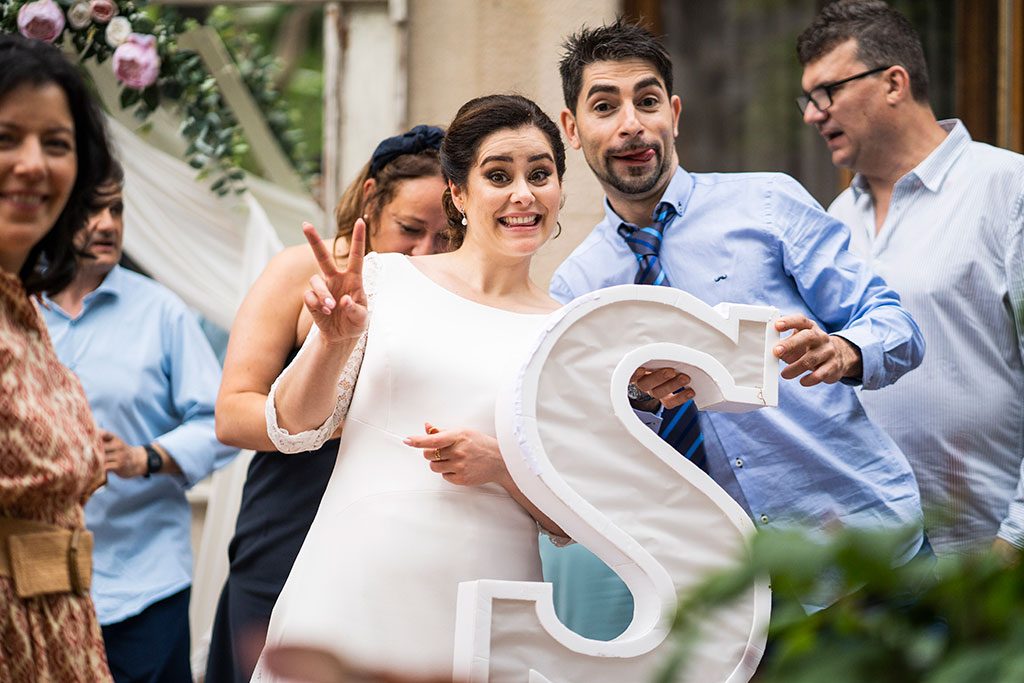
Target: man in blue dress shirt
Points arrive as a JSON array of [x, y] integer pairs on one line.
[[151, 380], [816, 461], [942, 219]]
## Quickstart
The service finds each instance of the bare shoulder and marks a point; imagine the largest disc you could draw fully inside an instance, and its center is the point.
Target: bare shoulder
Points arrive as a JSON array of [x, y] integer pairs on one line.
[[272, 307], [291, 265]]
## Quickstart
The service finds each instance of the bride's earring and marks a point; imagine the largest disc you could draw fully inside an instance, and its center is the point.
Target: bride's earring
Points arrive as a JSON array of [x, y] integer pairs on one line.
[[464, 222]]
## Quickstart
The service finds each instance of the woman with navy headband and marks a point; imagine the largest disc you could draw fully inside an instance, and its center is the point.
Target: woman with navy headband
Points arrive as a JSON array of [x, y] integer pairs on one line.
[[398, 195]]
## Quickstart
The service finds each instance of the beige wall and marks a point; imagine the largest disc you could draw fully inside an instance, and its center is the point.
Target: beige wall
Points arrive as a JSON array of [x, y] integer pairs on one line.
[[460, 49]]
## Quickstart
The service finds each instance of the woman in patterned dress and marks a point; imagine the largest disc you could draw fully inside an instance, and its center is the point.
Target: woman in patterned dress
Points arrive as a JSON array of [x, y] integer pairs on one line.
[[53, 153]]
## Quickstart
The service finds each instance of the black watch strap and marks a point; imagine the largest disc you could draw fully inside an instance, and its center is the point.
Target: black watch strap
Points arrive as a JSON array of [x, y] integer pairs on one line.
[[640, 400], [153, 460]]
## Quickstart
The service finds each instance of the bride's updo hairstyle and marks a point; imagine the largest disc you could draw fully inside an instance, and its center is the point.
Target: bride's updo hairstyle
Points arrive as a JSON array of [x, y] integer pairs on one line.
[[476, 120], [397, 159]]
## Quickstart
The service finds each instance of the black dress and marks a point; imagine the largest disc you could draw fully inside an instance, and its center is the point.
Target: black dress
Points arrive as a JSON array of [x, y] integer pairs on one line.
[[279, 500]]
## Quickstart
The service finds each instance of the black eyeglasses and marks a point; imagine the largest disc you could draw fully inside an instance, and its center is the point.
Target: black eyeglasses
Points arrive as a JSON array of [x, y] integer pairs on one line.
[[822, 95]]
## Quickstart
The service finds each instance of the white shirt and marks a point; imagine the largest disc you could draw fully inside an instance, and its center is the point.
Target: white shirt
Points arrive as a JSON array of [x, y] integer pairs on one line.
[[952, 246]]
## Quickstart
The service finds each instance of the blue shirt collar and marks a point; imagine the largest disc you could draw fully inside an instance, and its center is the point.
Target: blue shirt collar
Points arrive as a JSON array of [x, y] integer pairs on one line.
[[936, 166], [678, 193], [112, 286]]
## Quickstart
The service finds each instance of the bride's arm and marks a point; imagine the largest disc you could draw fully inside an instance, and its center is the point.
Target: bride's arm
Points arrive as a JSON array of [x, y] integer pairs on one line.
[[546, 524], [306, 395], [289, 442], [469, 458]]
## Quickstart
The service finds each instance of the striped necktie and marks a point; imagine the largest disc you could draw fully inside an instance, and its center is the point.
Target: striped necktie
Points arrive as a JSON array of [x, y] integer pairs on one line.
[[679, 426]]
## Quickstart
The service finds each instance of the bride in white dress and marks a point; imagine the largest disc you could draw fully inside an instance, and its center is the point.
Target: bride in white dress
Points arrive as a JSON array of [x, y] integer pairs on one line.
[[409, 352]]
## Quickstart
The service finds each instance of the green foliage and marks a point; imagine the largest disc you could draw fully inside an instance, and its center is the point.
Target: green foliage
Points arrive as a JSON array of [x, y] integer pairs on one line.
[[216, 146], [952, 621], [258, 69]]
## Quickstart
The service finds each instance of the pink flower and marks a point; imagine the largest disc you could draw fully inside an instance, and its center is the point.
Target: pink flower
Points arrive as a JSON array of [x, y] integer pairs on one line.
[[102, 10], [135, 61], [41, 20]]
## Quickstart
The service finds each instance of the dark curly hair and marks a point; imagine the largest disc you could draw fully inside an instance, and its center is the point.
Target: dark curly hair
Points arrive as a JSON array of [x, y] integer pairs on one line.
[[613, 43], [475, 120], [51, 264]]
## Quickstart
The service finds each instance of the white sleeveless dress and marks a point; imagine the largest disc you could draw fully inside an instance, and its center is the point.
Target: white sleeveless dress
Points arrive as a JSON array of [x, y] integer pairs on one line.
[[377, 577]]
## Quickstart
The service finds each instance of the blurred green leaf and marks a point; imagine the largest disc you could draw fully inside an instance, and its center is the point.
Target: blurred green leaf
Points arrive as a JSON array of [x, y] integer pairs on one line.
[[129, 97], [959, 620]]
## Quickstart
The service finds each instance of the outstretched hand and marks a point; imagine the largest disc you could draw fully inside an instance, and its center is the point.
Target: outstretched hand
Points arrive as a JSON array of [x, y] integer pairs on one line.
[[825, 357], [336, 298]]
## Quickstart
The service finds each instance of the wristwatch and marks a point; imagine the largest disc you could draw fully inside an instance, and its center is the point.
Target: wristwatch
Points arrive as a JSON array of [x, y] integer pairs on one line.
[[635, 393], [641, 400], [153, 460]]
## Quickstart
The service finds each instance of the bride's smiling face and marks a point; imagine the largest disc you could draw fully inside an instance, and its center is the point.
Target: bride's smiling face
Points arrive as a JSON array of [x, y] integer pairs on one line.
[[512, 192]]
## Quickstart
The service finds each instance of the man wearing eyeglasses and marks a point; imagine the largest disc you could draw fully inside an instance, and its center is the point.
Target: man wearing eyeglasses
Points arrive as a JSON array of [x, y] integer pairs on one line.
[[942, 220]]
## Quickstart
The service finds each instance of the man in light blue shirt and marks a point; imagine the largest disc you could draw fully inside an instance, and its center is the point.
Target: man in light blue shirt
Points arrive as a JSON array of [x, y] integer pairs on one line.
[[151, 380], [816, 461], [942, 219]]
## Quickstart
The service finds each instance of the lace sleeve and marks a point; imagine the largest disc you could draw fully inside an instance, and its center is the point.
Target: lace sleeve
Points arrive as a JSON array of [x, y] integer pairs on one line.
[[314, 438]]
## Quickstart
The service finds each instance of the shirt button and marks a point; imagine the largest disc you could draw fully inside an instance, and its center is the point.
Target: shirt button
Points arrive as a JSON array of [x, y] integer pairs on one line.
[[739, 463], [764, 519]]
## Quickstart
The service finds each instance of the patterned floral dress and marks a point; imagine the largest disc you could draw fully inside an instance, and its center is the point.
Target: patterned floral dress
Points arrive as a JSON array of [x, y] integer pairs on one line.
[[50, 462]]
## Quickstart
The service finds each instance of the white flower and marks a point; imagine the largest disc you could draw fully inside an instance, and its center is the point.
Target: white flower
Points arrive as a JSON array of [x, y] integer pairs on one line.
[[118, 31], [79, 14]]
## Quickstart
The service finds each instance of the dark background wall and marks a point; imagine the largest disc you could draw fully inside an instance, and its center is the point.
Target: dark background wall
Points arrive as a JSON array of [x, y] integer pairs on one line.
[[737, 75]]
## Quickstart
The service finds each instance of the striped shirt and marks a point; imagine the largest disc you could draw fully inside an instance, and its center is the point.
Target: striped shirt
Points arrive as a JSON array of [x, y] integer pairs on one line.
[[952, 246]]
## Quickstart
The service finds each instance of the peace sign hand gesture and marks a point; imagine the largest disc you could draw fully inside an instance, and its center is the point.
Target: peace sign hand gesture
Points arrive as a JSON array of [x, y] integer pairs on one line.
[[336, 298]]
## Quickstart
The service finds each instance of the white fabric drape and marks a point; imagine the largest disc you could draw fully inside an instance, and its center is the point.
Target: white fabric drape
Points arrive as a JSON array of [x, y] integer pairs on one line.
[[208, 250]]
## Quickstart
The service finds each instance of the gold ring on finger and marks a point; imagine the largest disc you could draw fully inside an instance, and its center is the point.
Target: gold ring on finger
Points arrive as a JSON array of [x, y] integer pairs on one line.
[[437, 454]]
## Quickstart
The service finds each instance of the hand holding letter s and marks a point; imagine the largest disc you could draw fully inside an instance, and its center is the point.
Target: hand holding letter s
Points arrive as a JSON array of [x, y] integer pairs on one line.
[[825, 357], [336, 298], [667, 385]]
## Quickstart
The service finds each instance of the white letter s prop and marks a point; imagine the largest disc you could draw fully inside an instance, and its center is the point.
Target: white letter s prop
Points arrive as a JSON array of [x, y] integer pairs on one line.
[[576, 449]]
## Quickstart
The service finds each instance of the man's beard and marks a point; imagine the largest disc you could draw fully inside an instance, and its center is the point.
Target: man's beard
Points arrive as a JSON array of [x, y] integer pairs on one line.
[[639, 184]]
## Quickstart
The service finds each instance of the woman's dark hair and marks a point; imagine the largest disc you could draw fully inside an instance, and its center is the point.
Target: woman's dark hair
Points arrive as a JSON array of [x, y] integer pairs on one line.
[[114, 178], [396, 159], [51, 263], [477, 119]]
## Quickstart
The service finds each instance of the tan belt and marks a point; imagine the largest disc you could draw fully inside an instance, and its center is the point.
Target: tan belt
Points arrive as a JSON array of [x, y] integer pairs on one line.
[[43, 558]]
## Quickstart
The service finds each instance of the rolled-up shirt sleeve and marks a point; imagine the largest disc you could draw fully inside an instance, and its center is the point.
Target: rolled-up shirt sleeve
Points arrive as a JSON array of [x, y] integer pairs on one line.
[[193, 375], [842, 291]]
